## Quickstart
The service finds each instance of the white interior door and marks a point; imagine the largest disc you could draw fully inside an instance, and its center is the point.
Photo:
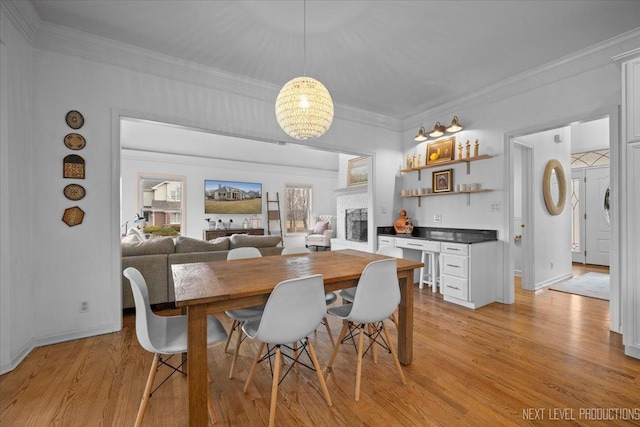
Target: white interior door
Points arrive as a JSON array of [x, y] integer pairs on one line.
[[597, 228]]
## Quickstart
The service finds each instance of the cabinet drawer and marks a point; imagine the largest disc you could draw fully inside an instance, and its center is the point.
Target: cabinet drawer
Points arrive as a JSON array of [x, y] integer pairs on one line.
[[454, 265], [419, 245], [455, 287], [455, 248], [386, 241]]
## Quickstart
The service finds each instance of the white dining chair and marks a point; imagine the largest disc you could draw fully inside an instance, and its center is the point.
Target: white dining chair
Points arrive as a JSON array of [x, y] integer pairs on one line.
[[348, 294], [293, 311], [241, 315], [330, 297], [164, 335], [377, 297]]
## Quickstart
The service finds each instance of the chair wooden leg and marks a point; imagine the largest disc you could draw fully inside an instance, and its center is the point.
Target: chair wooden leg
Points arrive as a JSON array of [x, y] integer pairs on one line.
[[359, 365], [211, 410], [147, 389], [394, 319], [323, 384], [233, 327], [374, 347], [343, 333], [235, 355], [326, 324], [253, 367], [395, 356], [274, 387], [295, 357]]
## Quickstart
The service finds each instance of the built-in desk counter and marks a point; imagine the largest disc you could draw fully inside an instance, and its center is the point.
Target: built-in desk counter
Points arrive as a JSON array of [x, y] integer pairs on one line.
[[468, 261]]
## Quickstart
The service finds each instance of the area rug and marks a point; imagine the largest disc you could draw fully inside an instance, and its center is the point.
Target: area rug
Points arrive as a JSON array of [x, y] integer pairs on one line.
[[594, 285]]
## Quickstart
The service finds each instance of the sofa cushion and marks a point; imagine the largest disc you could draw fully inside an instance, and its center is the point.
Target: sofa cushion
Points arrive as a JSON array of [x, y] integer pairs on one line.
[[187, 244], [162, 245], [321, 227], [131, 238], [245, 240]]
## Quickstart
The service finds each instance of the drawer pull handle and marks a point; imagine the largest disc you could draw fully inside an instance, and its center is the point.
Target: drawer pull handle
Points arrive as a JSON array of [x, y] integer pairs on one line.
[[413, 244], [454, 266], [453, 249], [453, 287]]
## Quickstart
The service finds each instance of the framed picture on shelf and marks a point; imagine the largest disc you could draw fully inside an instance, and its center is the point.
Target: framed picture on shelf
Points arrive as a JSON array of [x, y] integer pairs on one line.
[[441, 151], [357, 172], [442, 181]]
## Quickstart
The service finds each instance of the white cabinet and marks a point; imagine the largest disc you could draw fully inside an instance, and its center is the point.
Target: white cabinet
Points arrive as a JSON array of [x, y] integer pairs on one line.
[[469, 273]]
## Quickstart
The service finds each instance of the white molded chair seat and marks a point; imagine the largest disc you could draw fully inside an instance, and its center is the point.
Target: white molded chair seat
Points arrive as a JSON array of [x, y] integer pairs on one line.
[[377, 297], [163, 335], [241, 315], [293, 311], [330, 297], [349, 294]]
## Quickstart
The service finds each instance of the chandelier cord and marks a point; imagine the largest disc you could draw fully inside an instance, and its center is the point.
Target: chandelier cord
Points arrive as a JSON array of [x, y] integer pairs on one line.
[[304, 38]]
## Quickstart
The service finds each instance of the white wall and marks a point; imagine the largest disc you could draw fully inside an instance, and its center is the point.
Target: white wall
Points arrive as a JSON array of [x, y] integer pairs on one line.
[[590, 136], [552, 251], [17, 196], [197, 169]]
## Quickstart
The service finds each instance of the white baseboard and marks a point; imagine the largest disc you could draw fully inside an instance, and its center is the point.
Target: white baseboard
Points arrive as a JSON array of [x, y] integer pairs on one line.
[[53, 339], [553, 280], [19, 357], [632, 351]]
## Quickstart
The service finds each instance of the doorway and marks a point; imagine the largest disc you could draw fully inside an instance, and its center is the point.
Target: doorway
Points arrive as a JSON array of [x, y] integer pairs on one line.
[[591, 224], [523, 238]]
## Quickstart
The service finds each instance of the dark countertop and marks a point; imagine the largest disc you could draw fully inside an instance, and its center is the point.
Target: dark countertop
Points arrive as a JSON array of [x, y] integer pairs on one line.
[[451, 235]]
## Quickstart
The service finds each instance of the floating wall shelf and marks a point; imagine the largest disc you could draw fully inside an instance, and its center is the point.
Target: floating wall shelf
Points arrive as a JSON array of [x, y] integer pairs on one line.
[[448, 193], [467, 160]]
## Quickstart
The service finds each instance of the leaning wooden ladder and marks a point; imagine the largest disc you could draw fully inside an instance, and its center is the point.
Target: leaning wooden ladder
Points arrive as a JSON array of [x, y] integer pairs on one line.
[[273, 214]]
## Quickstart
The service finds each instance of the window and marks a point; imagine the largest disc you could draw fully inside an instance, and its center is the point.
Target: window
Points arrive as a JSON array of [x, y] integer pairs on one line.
[[297, 212], [161, 202]]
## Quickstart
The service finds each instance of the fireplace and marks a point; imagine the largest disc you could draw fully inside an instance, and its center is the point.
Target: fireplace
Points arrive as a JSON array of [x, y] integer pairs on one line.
[[356, 225]]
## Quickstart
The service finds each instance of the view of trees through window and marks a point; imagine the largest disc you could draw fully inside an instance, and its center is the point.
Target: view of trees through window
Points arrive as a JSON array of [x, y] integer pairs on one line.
[[297, 212], [161, 204]]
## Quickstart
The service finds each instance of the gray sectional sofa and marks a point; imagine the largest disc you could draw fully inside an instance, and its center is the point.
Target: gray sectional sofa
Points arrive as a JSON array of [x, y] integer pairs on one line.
[[154, 258]]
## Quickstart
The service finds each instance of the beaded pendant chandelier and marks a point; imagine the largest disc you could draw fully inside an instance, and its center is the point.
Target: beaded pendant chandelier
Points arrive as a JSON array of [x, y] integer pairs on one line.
[[304, 108]]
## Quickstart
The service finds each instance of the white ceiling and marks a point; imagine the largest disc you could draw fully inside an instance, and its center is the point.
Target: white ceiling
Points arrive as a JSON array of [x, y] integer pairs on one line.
[[395, 58]]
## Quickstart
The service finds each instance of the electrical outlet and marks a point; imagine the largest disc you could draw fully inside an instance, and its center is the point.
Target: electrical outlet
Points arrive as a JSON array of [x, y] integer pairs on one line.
[[437, 218], [84, 306], [496, 207], [383, 209]]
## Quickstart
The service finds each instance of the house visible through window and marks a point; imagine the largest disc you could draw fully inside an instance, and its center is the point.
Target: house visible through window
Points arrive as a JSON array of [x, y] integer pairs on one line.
[[297, 207], [162, 204]]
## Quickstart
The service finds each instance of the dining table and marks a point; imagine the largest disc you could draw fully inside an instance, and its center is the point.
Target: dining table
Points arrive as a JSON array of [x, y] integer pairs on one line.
[[213, 287]]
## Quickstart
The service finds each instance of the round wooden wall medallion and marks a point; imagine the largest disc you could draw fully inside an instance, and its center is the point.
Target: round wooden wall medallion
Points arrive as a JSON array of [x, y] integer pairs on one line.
[[74, 119], [74, 141], [74, 192]]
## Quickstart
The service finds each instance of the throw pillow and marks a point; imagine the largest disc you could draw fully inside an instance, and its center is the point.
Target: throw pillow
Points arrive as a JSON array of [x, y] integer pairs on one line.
[[160, 245], [187, 244], [131, 238], [321, 227]]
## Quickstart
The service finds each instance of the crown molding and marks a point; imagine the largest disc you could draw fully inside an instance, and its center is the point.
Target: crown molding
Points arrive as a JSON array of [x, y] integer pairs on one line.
[[23, 16], [63, 40], [584, 60]]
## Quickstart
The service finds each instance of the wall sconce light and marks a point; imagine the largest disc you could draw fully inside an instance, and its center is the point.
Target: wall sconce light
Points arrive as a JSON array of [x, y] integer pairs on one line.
[[421, 136], [455, 126], [438, 130]]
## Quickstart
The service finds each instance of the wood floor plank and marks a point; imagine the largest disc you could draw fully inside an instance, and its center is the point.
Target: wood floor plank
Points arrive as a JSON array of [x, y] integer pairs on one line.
[[550, 351]]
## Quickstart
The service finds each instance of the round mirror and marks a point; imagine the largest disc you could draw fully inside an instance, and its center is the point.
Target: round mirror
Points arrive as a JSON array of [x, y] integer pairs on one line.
[[554, 199]]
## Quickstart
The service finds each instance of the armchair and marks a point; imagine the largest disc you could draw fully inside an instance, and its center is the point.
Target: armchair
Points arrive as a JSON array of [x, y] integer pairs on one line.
[[322, 233]]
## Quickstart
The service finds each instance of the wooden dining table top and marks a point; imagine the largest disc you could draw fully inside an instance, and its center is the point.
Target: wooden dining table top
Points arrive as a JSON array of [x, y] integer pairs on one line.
[[213, 283]]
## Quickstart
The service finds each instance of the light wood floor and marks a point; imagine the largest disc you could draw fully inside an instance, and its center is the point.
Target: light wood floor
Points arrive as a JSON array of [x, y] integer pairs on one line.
[[497, 365]]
